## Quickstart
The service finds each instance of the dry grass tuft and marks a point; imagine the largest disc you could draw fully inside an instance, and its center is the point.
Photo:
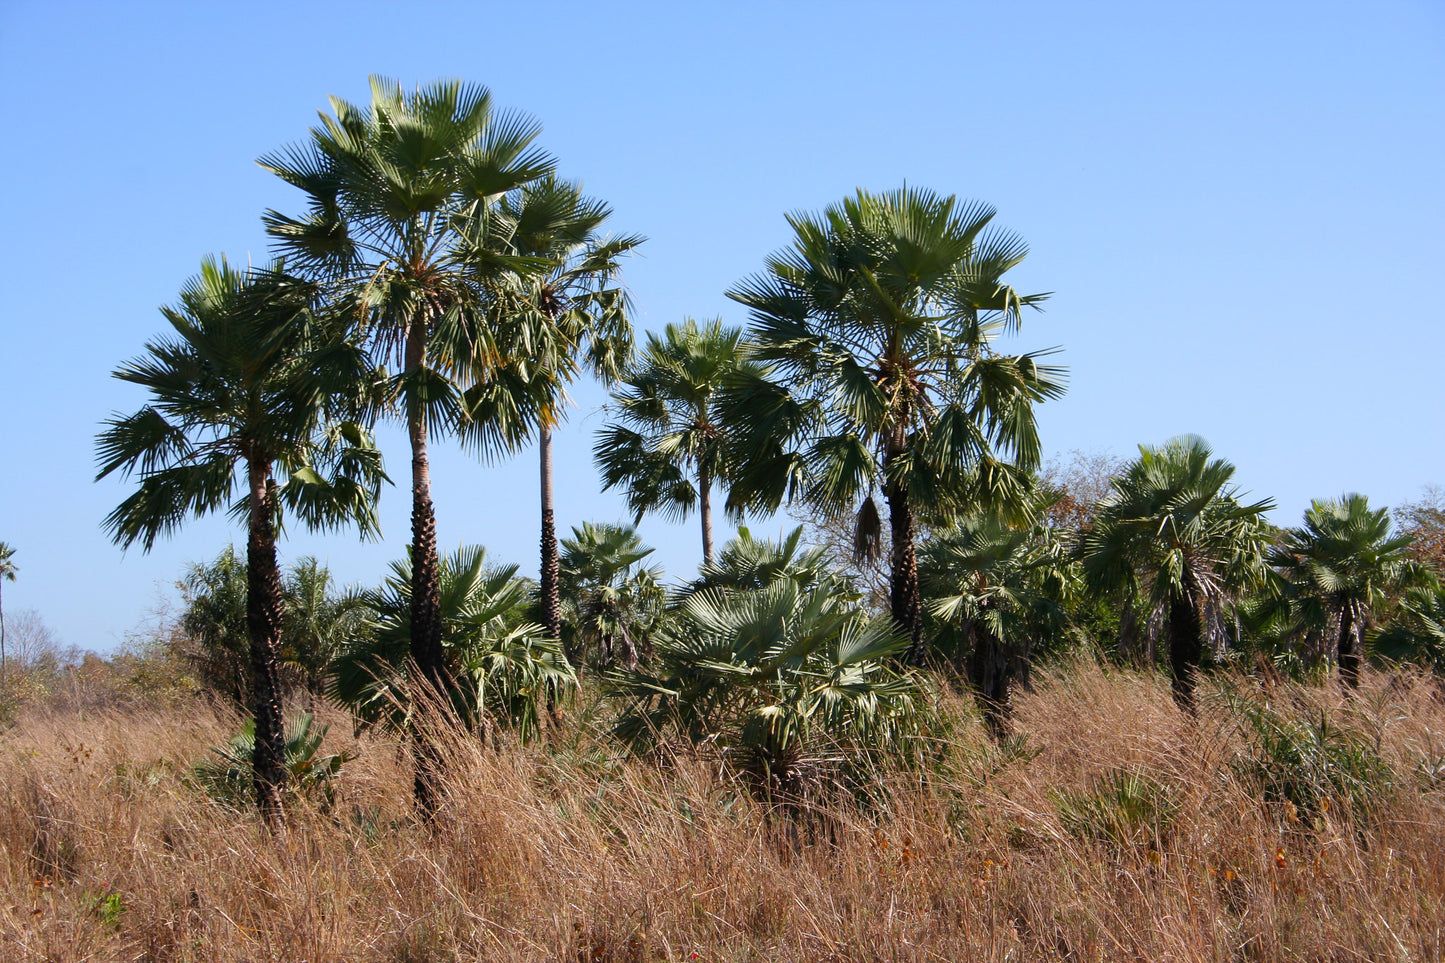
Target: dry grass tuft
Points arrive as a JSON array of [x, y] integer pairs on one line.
[[1114, 829]]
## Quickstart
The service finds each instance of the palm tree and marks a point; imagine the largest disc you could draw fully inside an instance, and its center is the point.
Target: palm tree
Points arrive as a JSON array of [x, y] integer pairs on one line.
[[748, 563], [611, 602], [249, 378], [8, 569], [1004, 588], [670, 446], [1174, 535], [1337, 569], [571, 317], [880, 322], [402, 226]]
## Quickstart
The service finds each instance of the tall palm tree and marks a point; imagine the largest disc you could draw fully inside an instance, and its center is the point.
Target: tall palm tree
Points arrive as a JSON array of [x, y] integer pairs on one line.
[[669, 449], [1337, 569], [402, 199], [572, 317], [1174, 535], [8, 569], [250, 382], [1004, 588], [880, 321]]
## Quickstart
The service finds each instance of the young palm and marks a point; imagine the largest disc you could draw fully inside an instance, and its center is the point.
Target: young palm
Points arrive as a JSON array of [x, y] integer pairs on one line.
[[1004, 588], [571, 318], [880, 322], [1174, 534], [7, 574], [1337, 569], [401, 226], [611, 601], [503, 663], [669, 449], [250, 383]]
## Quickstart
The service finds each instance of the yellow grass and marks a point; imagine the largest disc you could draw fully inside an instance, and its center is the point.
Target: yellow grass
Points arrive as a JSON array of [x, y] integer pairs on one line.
[[107, 853]]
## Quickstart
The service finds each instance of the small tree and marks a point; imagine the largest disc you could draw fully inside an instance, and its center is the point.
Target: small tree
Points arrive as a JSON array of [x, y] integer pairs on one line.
[[8, 569], [1174, 536]]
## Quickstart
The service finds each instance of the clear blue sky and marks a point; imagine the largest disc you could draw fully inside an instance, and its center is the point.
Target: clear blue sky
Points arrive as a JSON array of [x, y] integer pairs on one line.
[[1238, 207]]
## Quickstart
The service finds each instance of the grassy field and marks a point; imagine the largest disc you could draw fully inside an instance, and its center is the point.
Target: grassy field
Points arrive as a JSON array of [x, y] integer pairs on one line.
[[1282, 824]]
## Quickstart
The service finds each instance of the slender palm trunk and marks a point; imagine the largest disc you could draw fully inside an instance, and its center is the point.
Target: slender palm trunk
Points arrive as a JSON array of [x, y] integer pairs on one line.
[[551, 593], [704, 504], [905, 603], [4, 688], [1186, 648], [1349, 650], [426, 627], [263, 622]]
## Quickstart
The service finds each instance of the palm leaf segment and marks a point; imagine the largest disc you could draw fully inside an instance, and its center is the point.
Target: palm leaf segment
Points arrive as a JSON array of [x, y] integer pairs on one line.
[[252, 371], [504, 662], [610, 601], [879, 323]]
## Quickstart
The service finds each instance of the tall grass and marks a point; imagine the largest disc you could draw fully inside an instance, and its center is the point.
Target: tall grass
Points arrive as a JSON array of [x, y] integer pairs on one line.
[[1116, 829]]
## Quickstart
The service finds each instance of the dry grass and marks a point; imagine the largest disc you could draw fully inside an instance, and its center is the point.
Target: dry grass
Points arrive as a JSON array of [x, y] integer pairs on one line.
[[107, 853]]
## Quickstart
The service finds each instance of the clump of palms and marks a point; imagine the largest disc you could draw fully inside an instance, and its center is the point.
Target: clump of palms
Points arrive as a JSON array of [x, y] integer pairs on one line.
[[253, 380], [792, 684], [670, 446], [1174, 537], [611, 602], [502, 664], [309, 772], [879, 324]]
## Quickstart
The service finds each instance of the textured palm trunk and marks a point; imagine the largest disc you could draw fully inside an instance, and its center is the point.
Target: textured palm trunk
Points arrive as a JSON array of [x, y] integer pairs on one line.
[[988, 671], [263, 623], [905, 603], [704, 504], [1186, 647], [426, 627], [1349, 650], [551, 594]]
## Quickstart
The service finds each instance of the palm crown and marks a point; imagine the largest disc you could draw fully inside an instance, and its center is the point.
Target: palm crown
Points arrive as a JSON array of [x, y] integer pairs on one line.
[[670, 445], [880, 320]]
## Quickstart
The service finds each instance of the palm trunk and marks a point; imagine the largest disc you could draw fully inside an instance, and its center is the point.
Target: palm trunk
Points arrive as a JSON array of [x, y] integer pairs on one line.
[[263, 622], [704, 504], [551, 597], [904, 600], [426, 628], [988, 671], [1349, 650], [1186, 647]]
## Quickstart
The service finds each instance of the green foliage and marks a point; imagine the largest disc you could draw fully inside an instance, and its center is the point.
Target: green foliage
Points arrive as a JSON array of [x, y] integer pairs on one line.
[[1306, 759], [1417, 632], [610, 602], [501, 663], [1335, 573], [751, 563], [228, 777], [672, 439], [794, 685], [1125, 807]]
